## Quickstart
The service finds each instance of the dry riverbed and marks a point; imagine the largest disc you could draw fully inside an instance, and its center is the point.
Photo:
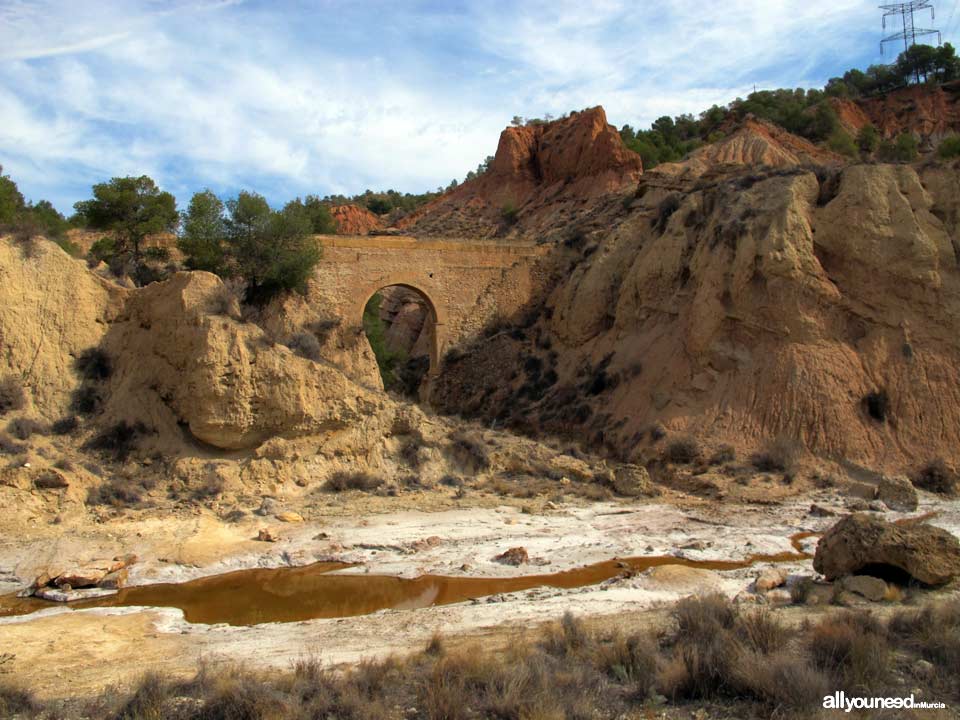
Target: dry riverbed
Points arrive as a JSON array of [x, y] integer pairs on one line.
[[61, 652]]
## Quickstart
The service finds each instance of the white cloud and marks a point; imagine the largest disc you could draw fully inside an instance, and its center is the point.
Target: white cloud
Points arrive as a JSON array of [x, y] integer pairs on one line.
[[347, 96]]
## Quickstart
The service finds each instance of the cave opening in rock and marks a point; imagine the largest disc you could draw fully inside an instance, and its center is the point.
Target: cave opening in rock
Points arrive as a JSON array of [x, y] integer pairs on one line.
[[400, 323]]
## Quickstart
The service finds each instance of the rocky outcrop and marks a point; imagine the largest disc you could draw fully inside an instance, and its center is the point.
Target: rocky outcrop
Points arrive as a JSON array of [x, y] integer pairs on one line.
[[930, 113], [52, 309], [227, 381], [354, 220], [748, 305], [926, 553], [897, 493], [540, 173]]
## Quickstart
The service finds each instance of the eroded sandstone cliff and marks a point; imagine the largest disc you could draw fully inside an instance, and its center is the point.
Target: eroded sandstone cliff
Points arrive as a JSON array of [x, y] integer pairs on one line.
[[743, 304]]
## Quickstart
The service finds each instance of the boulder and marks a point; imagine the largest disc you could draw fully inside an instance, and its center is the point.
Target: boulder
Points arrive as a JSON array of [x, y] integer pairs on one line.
[[778, 596], [115, 580], [264, 535], [769, 579], [632, 480], [897, 493], [289, 517], [82, 577], [71, 595], [873, 589], [929, 554], [514, 556], [268, 506]]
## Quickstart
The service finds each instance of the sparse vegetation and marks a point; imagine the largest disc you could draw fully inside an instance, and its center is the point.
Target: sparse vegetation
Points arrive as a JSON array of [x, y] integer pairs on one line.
[[744, 660], [65, 425], [119, 492], [375, 329], [211, 487], [807, 113], [937, 477], [9, 447], [903, 149], [12, 395], [468, 452], [723, 454], [49, 481], [779, 455], [949, 147], [15, 699], [841, 143], [852, 647], [683, 451], [510, 214], [306, 345], [119, 440], [868, 139], [343, 480], [23, 428]]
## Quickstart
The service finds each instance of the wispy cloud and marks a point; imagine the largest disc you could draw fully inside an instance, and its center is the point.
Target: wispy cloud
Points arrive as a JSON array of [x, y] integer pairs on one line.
[[339, 96]]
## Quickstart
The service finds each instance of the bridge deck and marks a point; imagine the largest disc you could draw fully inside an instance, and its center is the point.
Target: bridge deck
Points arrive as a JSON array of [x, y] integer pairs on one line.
[[408, 242]]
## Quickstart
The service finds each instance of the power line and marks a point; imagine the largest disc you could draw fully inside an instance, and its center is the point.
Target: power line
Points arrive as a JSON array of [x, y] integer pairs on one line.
[[910, 31]]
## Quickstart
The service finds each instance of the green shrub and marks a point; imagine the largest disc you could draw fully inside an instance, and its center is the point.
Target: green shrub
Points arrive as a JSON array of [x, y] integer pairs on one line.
[[510, 214], [949, 148], [841, 143], [903, 149], [868, 139]]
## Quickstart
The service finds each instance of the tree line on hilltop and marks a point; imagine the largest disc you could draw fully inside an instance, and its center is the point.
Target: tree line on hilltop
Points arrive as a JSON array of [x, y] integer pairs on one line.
[[806, 113]]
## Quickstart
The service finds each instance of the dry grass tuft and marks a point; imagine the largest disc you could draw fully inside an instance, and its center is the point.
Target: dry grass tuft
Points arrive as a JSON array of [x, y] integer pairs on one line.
[[683, 451], [342, 480], [12, 395], [741, 660], [852, 647]]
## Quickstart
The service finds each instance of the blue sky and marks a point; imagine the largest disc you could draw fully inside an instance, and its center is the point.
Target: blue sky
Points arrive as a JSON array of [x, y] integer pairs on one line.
[[290, 98]]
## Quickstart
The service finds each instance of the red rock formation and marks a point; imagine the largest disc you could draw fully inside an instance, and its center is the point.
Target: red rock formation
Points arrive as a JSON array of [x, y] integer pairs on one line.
[[537, 168], [931, 113], [354, 220]]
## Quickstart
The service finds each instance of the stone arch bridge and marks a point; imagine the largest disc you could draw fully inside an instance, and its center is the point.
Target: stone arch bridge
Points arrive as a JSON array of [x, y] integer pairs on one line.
[[466, 284]]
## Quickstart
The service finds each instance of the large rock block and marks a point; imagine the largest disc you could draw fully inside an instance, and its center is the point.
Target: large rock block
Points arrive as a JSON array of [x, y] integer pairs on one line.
[[897, 493], [927, 553], [180, 363]]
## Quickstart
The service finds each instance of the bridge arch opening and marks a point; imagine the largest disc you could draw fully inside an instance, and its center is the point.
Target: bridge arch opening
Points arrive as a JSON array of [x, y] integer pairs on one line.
[[401, 324]]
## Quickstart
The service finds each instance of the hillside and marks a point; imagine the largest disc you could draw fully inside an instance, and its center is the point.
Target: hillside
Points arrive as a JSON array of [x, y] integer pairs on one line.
[[763, 287]]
